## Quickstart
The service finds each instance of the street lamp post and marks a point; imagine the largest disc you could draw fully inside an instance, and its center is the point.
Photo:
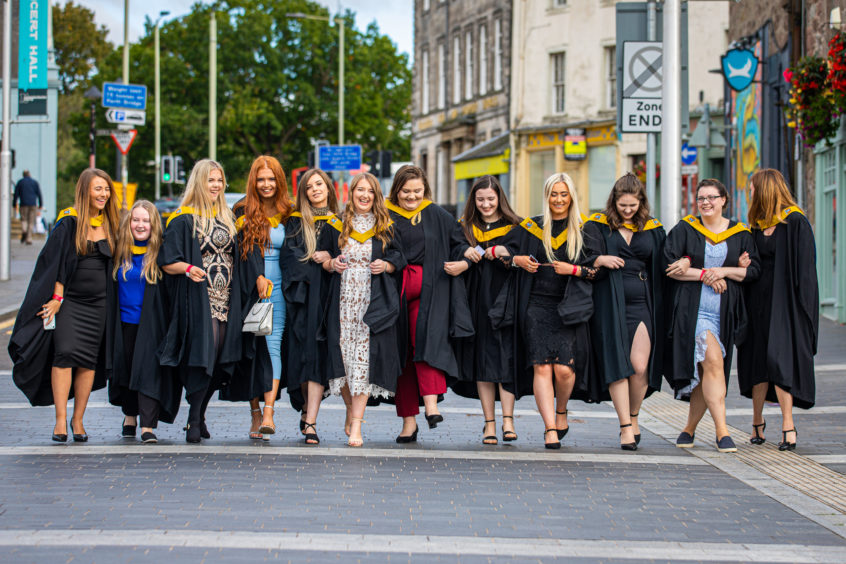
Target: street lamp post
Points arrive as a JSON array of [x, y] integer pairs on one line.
[[92, 94], [158, 108]]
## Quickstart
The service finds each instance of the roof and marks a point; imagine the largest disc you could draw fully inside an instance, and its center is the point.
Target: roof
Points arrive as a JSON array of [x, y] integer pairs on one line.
[[490, 148]]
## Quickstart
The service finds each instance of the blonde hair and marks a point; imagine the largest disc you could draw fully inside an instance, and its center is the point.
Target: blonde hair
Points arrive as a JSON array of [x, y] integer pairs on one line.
[[574, 215], [382, 229], [125, 241], [205, 209], [81, 204], [307, 211]]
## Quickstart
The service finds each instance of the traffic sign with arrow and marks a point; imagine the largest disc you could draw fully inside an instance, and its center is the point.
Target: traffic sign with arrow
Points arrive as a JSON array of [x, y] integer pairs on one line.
[[688, 154], [133, 117], [124, 139]]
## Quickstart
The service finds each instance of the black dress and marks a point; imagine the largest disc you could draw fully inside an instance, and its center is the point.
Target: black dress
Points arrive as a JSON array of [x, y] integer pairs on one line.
[[637, 254], [82, 318]]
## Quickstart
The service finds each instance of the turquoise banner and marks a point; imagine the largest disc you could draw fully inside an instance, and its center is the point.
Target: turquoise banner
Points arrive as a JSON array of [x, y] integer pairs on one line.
[[32, 44]]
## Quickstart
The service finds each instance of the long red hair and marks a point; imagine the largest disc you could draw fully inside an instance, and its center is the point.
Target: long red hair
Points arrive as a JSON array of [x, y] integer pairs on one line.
[[256, 230]]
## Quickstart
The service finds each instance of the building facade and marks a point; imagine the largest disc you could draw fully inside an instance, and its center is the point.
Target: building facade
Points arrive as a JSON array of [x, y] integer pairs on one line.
[[564, 85], [462, 64]]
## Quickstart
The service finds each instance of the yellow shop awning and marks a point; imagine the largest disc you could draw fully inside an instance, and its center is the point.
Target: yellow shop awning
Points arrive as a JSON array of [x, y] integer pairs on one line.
[[490, 157]]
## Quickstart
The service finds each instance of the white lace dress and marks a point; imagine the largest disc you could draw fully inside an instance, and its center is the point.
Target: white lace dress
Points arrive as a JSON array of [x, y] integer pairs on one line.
[[355, 299]]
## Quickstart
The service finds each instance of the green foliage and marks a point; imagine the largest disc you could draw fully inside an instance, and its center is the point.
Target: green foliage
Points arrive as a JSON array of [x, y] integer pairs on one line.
[[277, 88], [80, 45]]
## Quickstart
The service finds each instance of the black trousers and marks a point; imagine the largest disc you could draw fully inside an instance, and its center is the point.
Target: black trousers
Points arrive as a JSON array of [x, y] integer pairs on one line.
[[136, 403], [199, 400]]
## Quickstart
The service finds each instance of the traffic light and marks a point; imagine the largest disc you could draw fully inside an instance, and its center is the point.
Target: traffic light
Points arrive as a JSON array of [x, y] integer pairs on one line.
[[373, 161], [178, 170], [167, 170], [385, 158]]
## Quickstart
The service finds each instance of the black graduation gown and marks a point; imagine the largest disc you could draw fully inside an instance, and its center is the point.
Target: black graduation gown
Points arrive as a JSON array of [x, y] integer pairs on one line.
[[488, 355], [30, 346], [613, 361], [444, 314], [146, 375], [189, 343], [382, 314], [682, 307], [306, 289], [575, 309], [253, 373], [783, 352]]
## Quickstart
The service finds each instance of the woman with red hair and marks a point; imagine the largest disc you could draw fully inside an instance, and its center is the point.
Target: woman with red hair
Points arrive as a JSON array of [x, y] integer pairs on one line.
[[261, 217]]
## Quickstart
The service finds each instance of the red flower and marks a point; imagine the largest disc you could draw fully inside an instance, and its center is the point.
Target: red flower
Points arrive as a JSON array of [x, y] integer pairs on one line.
[[788, 74]]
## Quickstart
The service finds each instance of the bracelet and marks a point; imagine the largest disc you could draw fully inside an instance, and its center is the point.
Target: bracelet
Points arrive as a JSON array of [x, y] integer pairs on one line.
[[701, 274], [188, 270], [58, 298], [575, 270], [687, 257], [493, 251]]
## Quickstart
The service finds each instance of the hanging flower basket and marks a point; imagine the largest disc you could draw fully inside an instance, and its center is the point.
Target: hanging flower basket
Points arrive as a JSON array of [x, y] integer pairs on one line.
[[837, 70], [811, 108], [639, 170]]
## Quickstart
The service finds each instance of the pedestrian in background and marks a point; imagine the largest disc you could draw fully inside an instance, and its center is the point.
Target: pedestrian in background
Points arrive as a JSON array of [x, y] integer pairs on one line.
[[709, 316], [434, 298], [776, 362], [550, 304], [628, 303], [199, 256], [137, 319], [364, 303], [27, 201], [57, 340], [305, 286], [261, 218], [485, 360]]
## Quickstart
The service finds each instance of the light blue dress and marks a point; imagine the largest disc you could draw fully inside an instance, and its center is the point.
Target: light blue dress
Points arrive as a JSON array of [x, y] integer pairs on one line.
[[273, 272], [708, 316]]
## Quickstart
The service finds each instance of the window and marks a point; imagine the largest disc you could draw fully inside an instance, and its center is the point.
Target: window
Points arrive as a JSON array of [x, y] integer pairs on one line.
[[442, 75], [497, 77], [557, 63], [468, 65], [559, 3], [483, 60], [425, 5], [611, 77], [424, 82], [456, 70]]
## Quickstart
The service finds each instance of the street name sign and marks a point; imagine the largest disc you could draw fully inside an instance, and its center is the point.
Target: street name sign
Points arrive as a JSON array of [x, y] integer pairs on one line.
[[125, 96], [124, 139], [642, 86], [131, 117], [339, 157]]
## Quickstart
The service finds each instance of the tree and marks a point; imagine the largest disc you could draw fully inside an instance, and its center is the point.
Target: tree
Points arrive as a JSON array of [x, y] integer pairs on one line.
[[80, 45]]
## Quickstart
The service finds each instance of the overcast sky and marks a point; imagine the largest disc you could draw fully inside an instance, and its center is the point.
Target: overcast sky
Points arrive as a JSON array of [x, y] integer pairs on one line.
[[394, 17]]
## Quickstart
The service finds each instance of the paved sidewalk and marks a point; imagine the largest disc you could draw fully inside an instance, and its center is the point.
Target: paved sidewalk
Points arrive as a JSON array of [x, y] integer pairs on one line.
[[12, 291]]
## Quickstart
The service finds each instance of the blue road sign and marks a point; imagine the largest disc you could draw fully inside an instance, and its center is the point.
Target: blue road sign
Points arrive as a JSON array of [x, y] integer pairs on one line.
[[128, 96], [688, 154], [339, 157], [739, 67]]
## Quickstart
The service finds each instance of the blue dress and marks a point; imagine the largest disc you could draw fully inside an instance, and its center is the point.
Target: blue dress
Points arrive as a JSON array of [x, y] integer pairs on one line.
[[273, 272], [708, 316]]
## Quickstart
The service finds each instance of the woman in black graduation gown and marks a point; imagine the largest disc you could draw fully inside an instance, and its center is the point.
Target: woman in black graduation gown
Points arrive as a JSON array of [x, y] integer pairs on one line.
[[306, 288], [627, 301], [485, 359], [260, 218], [776, 362], [199, 256], [137, 320], [708, 315], [364, 303], [68, 287], [548, 305], [434, 299]]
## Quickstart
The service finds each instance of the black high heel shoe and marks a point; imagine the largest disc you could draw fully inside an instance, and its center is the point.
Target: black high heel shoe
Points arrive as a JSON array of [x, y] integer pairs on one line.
[[204, 431], [192, 433], [627, 446], [784, 445], [60, 437], [490, 440], [552, 446], [758, 439], [412, 438], [508, 435], [79, 437], [433, 420], [562, 432], [637, 437]]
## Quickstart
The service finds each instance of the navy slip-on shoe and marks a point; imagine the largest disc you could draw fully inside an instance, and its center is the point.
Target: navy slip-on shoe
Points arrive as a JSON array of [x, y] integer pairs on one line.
[[685, 440]]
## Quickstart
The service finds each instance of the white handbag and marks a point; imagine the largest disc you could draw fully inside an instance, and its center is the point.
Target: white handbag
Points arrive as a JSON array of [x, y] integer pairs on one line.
[[260, 319]]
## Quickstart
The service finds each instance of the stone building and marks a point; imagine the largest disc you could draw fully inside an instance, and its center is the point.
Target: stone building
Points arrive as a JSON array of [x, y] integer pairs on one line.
[[462, 52], [783, 32]]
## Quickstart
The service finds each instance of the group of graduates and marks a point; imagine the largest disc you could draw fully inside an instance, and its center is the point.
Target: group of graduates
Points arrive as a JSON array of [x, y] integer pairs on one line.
[[392, 300]]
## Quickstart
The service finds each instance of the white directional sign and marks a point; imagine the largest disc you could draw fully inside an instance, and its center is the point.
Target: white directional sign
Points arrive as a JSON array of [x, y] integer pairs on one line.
[[642, 84], [129, 117]]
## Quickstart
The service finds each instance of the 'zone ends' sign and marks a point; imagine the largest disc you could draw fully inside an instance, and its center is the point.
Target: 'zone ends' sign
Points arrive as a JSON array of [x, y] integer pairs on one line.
[[641, 115]]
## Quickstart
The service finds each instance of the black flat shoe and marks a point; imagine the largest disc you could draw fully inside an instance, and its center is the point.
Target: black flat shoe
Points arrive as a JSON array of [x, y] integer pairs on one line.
[[149, 438], [508, 435], [489, 440], [757, 439], [637, 437], [784, 445], [562, 432], [412, 438], [192, 433], [128, 431], [433, 420], [627, 446], [552, 446]]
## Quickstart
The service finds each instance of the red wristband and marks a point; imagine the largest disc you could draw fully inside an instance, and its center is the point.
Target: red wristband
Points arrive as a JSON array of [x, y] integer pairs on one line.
[[687, 257], [701, 274], [575, 270], [188, 270], [493, 251], [58, 298]]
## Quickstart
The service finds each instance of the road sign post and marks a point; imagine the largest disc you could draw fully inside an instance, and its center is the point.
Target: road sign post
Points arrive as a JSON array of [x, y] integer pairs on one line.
[[125, 96], [123, 139], [339, 157], [642, 85], [126, 117]]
